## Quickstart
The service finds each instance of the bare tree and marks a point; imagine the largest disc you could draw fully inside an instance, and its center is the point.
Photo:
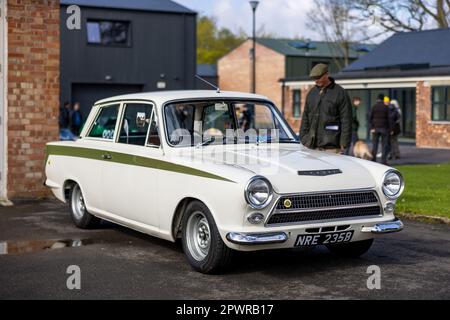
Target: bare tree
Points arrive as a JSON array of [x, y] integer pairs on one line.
[[334, 21], [405, 15]]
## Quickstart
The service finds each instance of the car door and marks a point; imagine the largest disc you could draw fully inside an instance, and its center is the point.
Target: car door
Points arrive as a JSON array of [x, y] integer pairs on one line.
[[129, 176], [87, 168]]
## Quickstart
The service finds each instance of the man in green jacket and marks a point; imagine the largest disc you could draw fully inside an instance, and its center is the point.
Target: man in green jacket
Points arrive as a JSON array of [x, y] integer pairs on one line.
[[327, 118]]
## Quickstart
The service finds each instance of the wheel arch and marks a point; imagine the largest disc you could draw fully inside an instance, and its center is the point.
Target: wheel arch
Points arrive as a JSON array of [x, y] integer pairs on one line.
[[67, 187], [68, 184], [178, 215]]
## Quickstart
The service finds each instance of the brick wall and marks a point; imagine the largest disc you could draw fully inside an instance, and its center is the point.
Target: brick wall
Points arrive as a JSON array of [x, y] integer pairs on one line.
[[32, 92], [234, 71], [289, 107], [429, 134]]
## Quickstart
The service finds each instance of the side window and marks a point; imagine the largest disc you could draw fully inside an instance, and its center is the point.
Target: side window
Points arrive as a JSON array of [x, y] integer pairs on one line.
[[135, 123], [105, 123]]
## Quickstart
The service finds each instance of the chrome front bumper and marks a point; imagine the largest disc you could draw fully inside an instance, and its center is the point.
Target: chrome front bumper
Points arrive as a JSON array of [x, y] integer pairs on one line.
[[281, 237], [254, 238], [385, 227]]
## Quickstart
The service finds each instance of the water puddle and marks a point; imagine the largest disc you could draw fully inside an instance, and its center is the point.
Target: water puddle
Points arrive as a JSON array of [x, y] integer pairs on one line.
[[21, 247]]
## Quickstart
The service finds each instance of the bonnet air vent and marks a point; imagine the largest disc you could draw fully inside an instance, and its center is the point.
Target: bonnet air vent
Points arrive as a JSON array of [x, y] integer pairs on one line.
[[319, 173]]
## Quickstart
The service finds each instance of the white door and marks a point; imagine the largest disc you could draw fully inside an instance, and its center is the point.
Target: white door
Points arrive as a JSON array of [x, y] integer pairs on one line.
[[129, 177], [2, 99]]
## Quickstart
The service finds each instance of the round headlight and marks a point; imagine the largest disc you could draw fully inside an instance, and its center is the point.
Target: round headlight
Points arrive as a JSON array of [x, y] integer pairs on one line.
[[392, 184], [258, 192]]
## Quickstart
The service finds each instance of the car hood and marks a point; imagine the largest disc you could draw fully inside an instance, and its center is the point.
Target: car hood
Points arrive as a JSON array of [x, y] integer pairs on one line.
[[281, 165]]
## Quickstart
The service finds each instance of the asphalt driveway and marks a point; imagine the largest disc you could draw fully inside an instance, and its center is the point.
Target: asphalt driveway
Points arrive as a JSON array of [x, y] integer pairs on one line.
[[117, 263]]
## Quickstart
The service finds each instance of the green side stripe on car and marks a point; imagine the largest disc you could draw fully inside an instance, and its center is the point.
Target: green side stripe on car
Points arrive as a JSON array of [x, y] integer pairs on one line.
[[124, 158]]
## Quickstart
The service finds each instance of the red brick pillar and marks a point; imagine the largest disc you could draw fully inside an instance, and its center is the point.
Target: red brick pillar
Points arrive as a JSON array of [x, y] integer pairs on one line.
[[32, 92], [434, 134]]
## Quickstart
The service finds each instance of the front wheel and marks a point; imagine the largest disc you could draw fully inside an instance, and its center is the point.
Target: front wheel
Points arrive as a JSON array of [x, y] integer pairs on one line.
[[351, 249], [202, 244], [78, 212]]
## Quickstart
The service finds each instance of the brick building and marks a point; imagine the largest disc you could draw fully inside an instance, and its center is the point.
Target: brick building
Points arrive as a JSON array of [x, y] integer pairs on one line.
[[278, 59], [414, 69], [29, 93]]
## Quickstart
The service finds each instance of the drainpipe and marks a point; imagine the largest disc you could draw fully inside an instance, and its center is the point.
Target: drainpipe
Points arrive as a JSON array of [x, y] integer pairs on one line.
[[283, 86]]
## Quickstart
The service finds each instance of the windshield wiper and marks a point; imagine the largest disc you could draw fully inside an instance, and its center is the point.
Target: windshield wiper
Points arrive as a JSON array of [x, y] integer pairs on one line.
[[258, 140], [288, 140], [206, 142]]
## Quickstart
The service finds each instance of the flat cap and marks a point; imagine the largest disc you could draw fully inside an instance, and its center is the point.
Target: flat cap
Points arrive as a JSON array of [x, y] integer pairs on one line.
[[319, 70]]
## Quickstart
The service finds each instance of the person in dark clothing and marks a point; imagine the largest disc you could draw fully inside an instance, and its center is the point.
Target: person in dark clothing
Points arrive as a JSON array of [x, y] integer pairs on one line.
[[396, 119], [64, 123], [327, 118], [64, 116], [76, 119], [356, 102], [381, 127]]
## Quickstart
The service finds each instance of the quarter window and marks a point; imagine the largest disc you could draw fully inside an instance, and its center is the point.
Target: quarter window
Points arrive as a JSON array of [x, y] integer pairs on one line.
[[153, 135], [135, 123], [105, 123], [441, 104]]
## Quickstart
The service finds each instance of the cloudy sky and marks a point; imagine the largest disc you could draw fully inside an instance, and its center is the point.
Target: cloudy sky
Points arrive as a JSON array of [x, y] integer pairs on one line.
[[283, 18]]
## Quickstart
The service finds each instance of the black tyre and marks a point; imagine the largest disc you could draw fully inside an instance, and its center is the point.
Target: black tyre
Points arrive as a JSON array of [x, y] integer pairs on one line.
[[351, 249], [202, 244], [78, 212]]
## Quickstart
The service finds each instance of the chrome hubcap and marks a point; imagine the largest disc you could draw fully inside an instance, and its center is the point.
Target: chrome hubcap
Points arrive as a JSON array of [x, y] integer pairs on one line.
[[78, 206], [198, 236]]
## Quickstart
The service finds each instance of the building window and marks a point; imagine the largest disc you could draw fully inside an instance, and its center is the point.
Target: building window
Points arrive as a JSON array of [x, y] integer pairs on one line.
[[441, 104], [109, 33], [296, 108]]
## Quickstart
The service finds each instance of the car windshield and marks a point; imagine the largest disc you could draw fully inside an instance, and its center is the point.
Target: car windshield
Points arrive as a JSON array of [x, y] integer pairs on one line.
[[225, 122]]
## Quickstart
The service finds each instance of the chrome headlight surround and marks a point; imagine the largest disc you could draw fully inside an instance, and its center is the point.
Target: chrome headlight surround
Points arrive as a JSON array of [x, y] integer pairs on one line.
[[388, 175], [262, 183]]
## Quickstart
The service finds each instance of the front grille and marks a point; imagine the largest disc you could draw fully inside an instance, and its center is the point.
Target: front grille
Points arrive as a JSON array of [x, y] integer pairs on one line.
[[325, 206], [308, 201], [293, 217]]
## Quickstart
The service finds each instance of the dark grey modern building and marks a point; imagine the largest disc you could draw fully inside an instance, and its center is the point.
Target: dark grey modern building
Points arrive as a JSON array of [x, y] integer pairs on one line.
[[126, 46]]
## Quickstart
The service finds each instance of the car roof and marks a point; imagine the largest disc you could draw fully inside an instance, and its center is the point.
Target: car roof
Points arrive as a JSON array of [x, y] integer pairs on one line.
[[160, 97]]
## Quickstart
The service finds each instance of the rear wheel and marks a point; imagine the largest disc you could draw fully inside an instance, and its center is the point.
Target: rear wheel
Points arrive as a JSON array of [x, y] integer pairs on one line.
[[78, 212], [202, 243], [351, 249]]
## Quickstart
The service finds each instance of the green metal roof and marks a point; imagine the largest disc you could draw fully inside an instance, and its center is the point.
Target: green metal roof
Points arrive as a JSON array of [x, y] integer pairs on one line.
[[302, 48]]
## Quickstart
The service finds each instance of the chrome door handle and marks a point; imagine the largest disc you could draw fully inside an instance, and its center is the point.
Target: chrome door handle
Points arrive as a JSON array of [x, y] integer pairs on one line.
[[107, 156]]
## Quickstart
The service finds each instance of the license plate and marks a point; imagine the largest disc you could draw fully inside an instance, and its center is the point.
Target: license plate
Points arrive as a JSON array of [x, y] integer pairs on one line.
[[324, 238]]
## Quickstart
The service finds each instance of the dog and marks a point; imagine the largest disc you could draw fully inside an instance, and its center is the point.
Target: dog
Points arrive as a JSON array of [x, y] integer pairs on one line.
[[361, 150]]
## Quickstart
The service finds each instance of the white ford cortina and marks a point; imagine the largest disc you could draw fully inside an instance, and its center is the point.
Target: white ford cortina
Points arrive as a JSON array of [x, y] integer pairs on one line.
[[223, 171]]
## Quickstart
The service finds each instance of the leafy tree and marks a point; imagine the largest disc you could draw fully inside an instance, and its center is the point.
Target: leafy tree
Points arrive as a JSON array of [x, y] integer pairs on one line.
[[212, 42]]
